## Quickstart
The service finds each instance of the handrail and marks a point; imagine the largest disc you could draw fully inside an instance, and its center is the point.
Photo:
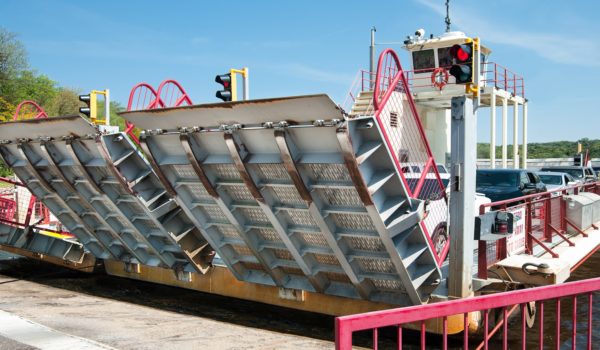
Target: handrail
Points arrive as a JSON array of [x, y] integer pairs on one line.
[[380, 99], [346, 325], [517, 200]]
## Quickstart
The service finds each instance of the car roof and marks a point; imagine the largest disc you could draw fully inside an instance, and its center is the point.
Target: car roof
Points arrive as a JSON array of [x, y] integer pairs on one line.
[[557, 173], [564, 167], [500, 170]]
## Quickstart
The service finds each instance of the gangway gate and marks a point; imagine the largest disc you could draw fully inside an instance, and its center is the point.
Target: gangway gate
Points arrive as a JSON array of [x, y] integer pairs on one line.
[[63, 163], [289, 193]]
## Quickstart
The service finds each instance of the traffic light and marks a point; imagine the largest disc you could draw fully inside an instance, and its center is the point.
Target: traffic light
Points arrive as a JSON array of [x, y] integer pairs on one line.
[[226, 93], [462, 63], [90, 101]]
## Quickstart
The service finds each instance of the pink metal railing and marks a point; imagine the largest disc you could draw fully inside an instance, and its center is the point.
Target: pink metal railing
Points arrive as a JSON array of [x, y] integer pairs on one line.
[[504, 79], [29, 109], [543, 218], [143, 96], [506, 302], [23, 209], [493, 75], [410, 148]]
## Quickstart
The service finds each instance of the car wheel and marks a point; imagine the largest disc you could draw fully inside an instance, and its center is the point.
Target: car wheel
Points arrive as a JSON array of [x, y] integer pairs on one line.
[[440, 237]]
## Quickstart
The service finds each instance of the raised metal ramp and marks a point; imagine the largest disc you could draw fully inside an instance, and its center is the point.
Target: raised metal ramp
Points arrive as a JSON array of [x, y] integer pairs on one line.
[[62, 162], [71, 251], [290, 194]]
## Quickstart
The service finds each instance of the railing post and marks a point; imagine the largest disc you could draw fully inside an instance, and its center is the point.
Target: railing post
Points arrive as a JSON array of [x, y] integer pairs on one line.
[[563, 214], [528, 221], [343, 335], [547, 212], [495, 75]]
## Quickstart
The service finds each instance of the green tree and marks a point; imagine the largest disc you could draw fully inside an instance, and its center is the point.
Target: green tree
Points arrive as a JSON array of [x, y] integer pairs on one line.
[[13, 57], [65, 102]]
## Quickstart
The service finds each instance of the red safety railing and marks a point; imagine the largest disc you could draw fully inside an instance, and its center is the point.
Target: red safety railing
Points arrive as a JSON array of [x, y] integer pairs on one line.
[[143, 96], [18, 207], [502, 78], [502, 333], [29, 110], [539, 220], [403, 132]]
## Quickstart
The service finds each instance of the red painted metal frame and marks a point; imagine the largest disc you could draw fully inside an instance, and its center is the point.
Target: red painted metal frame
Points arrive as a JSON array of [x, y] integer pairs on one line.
[[8, 219], [345, 326], [40, 111], [167, 87], [548, 228], [379, 103]]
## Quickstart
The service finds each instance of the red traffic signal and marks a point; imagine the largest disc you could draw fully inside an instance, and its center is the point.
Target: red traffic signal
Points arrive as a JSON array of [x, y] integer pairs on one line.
[[462, 63], [225, 80]]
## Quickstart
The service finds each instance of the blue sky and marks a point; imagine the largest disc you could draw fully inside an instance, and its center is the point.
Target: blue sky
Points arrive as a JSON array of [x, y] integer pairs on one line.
[[305, 47]]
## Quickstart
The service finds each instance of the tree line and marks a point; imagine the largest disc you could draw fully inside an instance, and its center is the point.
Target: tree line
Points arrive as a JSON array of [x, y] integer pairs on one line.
[[555, 149]]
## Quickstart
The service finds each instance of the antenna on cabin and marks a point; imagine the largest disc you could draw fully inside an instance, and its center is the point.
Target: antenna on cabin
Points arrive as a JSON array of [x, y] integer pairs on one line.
[[447, 16]]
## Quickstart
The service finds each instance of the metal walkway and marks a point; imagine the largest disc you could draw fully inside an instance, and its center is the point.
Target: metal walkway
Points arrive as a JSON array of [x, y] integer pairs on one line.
[[62, 162], [290, 194]]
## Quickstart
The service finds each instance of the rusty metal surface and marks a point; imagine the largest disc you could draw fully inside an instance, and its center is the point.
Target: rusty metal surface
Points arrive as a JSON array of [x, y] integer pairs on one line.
[[55, 127], [295, 109]]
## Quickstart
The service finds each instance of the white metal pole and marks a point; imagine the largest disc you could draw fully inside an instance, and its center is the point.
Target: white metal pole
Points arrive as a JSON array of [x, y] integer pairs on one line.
[[493, 130], [107, 106], [372, 58], [504, 132], [462, 191], [524, 152], [516, 134], [246, 84]]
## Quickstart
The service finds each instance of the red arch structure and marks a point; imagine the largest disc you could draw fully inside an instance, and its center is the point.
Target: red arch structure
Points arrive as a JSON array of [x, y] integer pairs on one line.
[[40, 113], [143, 96]]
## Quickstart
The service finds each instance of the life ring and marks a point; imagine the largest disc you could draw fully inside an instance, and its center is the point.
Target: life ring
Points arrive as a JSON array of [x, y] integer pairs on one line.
[[439, 77]]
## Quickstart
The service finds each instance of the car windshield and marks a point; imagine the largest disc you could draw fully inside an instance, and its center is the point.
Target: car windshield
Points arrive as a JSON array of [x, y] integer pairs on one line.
[[441, 169], [576, 173], [551, 179], [497, 179]]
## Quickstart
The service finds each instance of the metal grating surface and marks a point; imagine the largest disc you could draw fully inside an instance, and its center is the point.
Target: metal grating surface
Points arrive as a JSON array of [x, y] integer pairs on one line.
[[365, 243], [354, 222], [287, 196], [310, 239], [341, 197], [272, 172], [376, 265]]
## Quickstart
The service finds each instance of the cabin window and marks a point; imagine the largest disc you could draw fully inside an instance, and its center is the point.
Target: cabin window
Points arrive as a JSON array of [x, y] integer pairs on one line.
[[423, 61], [444, 59]]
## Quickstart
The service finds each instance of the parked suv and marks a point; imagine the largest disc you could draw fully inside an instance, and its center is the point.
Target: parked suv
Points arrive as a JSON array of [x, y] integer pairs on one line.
[[502, 184], [581, 174]]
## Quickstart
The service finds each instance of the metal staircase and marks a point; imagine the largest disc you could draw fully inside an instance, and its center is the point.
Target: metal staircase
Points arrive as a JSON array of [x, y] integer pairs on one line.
[[363, 104]]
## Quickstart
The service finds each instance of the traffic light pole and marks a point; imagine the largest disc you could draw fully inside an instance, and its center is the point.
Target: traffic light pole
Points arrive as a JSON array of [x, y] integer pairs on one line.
[[246, 87]]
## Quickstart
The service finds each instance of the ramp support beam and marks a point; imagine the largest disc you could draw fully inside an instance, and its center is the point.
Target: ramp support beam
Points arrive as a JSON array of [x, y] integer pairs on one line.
[[463, 161]]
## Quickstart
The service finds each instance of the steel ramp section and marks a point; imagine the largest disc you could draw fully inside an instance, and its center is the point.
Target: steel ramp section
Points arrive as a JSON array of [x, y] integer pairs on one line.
[[76, 168], [142, 195], [70, 251], [319, 199], [39, 187]]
